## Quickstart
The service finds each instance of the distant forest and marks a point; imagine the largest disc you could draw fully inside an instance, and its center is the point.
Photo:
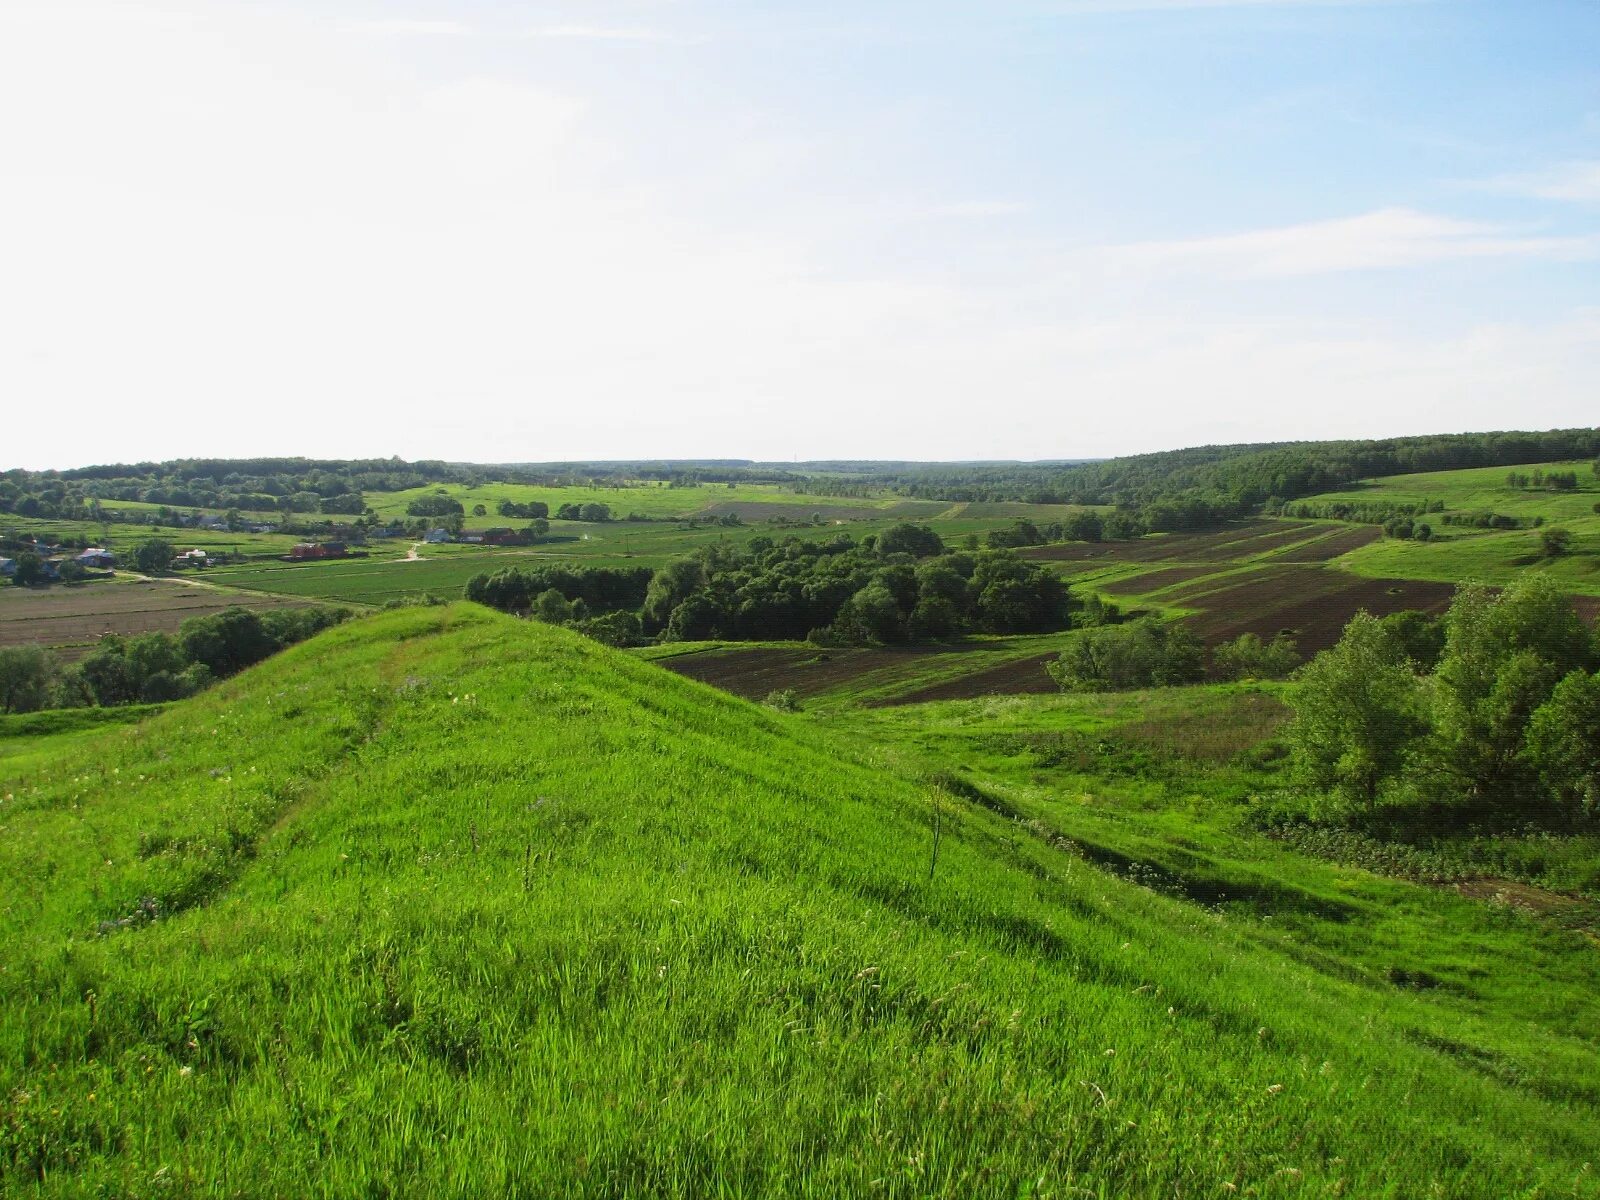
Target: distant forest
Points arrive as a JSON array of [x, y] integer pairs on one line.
[[1184, 489]]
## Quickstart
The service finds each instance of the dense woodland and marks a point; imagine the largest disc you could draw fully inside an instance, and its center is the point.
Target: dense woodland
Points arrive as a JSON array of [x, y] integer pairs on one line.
[[900, 586]]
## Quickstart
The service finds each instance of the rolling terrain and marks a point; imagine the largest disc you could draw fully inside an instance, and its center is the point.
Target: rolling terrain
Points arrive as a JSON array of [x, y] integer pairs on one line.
[[442, 902]]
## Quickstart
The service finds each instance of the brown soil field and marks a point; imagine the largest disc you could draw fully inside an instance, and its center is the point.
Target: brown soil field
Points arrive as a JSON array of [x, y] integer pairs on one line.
[[1330, 547], [1311, 604], [1220, 580], [1223, 545], [1151, 581], [1023, 676], [757, 671], [1258, 543], [76, 617]]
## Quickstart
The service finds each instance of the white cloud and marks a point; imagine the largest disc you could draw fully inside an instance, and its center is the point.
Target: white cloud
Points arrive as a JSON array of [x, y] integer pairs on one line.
[[1385, 239], [404, 27], [980, 208], [1574, 181], [341, 253], [603, 33]]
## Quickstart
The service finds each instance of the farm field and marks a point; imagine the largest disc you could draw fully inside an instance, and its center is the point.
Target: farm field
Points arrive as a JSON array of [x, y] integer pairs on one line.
[[70, 619], [659, 502], [122, 538], [850, 676], [1266, 577], [406, 898], [1495, 556]]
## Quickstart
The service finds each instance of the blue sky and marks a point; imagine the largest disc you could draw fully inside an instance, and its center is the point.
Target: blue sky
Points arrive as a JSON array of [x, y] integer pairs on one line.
[[497, 231]]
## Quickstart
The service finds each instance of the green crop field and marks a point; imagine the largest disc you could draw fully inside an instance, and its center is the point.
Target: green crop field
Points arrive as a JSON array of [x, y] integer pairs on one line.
[[445, 903], [656, 501]]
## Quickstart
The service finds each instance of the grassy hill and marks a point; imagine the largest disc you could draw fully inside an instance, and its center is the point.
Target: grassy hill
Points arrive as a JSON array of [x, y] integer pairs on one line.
[[444, 903]]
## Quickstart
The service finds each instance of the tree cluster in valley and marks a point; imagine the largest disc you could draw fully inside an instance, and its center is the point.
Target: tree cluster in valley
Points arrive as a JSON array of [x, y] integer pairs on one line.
[[154, 667], [1493, 711], [900, 586]]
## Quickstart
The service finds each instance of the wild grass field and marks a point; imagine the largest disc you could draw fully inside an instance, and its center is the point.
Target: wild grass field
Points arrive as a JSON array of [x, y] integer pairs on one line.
[[445, 903]]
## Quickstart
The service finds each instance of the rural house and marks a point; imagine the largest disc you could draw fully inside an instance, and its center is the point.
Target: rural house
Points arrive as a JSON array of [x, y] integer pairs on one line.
[[315, 550], [97, 556]]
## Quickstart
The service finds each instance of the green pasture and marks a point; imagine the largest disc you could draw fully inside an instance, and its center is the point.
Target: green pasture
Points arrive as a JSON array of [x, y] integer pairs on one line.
[[443, 903], [121, 538], [1480, 489], [1494, 557], [653, 500]]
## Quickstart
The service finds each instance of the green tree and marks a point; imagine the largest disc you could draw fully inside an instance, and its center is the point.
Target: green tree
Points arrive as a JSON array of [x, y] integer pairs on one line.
[[1563, 743], [153, 555], [670, 587], [26, 675], [1555, 542], [30, 569], [1357, 712], [552, 607], [1142, 653], [1503, 656], [1421, 636], [226, 642], [919, 541], [1248, 657]]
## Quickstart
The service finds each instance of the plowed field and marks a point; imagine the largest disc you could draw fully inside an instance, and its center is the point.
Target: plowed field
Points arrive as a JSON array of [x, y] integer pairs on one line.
[[73, 618]]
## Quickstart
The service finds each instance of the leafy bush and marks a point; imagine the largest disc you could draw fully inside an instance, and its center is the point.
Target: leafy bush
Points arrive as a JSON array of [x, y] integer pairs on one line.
[[1143, 653], [1248, 657]]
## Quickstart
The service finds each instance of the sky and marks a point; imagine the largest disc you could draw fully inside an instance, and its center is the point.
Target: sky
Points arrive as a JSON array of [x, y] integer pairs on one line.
[[503, 231]]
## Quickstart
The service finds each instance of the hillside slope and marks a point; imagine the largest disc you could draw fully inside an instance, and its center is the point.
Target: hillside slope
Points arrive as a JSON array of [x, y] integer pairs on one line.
[[444, 903]]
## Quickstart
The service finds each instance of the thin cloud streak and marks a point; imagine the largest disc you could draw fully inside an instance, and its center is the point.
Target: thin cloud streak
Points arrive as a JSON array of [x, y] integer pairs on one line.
[[1386, 239], [1577, 182]]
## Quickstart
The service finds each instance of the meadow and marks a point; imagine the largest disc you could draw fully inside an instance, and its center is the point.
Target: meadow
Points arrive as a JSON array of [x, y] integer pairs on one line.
[[445, 903], [1457, 553], [657, 501]]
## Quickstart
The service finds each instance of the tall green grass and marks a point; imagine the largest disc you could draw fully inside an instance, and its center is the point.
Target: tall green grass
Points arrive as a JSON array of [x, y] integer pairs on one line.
[[441, 903]]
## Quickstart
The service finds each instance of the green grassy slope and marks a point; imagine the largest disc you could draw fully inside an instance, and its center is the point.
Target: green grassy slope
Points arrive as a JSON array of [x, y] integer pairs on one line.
[[1494, 556], [449, 904]]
